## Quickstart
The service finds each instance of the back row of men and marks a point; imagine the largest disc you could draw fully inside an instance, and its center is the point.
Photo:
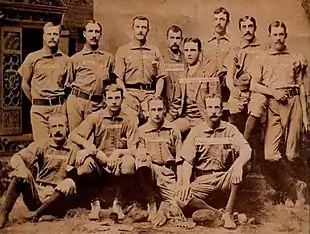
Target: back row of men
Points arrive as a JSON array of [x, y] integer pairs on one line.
[[189, 85]]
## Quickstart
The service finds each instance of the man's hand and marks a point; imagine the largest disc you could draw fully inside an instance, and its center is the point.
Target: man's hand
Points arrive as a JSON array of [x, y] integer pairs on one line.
[[159, 219], [280, 95], [113, 160], [235, 92], [82, 155], [237, 174], [305, 121], [22, 172], [66, 186], [183, 192]]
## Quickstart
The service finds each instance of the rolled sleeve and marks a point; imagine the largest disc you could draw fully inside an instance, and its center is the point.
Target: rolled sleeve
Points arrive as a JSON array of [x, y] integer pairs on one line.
[[26, 69], [178, 145], [161, 73], [29, 155], [120, 67], [239, 143]]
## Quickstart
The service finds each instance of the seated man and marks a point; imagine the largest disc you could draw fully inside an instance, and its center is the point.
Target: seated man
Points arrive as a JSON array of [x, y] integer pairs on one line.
[[208, 150], [110, 137], [159, 145], [53, 158], [187, 108]]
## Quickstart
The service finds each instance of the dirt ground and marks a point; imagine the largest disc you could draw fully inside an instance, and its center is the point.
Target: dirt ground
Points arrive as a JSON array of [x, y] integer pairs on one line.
[[269, 219]]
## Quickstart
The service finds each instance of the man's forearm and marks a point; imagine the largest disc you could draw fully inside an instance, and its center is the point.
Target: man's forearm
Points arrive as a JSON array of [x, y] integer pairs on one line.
[[75, 138], [186, 173], [245, 156], [27, 89], [159, 86], [179, 175], [258, 88]]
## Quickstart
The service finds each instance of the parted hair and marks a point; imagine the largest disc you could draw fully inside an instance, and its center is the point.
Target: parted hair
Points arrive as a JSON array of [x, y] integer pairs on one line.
[[113, 88], [245, 18], [213, 95], [51, 24], [92, 22], [155, 98], [277, 24], [222, 10], [194, 40], [140, 17], [175, 29]]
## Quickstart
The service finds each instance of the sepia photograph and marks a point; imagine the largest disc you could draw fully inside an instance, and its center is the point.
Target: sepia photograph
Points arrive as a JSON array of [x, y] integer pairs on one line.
[[154, 116]]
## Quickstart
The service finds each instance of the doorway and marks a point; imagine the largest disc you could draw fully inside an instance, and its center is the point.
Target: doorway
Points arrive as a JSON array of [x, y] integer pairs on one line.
[[31, 41]]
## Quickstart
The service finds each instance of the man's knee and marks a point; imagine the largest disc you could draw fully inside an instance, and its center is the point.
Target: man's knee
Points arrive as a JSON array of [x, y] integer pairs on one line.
[[89, 165], [127, 166]]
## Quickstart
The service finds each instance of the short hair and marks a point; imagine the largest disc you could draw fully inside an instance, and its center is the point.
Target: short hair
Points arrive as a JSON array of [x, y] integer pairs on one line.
[[58, 115], [214, 95], [113, 88], [224, 11], [51, 24], [277, 24], [245, 18], [155, 98], [92, 22], [194, 40], [140, 17], [175, 29]]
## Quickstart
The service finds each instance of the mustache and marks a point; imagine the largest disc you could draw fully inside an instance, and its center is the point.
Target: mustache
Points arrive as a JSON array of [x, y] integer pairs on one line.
[[248, 34], [58, 134], [219, 26]]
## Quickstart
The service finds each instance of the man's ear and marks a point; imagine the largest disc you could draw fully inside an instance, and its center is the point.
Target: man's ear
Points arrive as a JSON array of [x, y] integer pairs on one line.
[[84, 34]]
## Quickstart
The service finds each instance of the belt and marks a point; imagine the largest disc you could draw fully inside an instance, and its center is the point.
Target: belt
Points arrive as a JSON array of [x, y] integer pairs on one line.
[[169, 164], [49, 102], [140, 86], [44, 184], [81, 94], [209, 172], [291, 92]]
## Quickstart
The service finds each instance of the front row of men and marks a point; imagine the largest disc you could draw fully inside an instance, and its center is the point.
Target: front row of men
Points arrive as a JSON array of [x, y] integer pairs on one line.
[[109, 142]]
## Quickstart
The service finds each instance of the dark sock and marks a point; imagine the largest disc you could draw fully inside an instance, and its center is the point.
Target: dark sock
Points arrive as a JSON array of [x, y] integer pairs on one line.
[[12, 194], [50, 206], [251, 122]]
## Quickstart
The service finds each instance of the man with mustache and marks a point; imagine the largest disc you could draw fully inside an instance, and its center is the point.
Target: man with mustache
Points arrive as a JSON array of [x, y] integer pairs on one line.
[[109, 136], [43, 173], [41, 74], [209, 150], [242, 103], [89, 72], [187, 108], [174, 62], [159, 146], [216, 51], [139, 69], [279, 74]]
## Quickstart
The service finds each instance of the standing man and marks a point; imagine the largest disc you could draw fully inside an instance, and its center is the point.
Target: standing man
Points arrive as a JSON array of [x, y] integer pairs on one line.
[[217, 49], [238, 63], [187, 109], [113, 143], [174, 62], [139, 69], [160, 143], [279, 75], [89, 72], [42, 74], [209, 151]]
